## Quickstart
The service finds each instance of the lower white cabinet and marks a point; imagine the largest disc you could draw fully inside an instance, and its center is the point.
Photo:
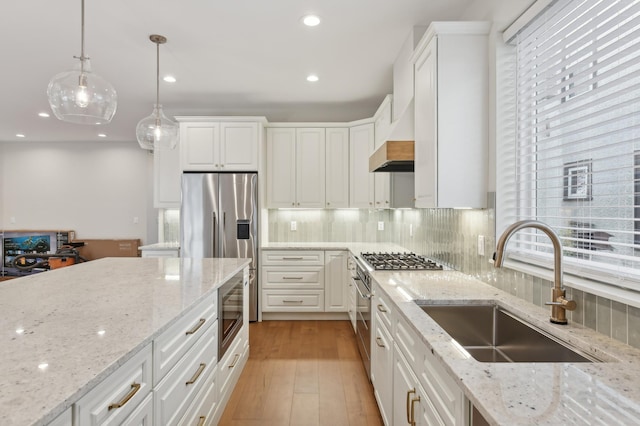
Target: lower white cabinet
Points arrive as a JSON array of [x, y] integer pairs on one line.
[[175, 392], [142, 415], [116, 397], [64, 419], [203, 408], [409, 384], [335, 277], [230, 367]]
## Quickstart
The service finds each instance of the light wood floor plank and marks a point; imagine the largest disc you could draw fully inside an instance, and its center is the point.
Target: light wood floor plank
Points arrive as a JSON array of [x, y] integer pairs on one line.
[[302, 373]]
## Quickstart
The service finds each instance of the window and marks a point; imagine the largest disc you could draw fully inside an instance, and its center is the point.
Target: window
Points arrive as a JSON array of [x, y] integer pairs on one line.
[[576, 162]]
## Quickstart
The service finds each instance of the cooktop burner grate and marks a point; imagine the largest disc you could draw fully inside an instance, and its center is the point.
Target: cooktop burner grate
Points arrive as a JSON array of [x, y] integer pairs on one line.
[[396, 261]]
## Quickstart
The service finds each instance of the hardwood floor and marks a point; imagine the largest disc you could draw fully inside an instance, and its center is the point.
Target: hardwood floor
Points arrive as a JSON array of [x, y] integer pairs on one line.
[[302, 373]]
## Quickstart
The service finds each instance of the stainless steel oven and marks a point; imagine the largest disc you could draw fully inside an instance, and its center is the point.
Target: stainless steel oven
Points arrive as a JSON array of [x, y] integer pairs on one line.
[[230, 314], [362, 282]]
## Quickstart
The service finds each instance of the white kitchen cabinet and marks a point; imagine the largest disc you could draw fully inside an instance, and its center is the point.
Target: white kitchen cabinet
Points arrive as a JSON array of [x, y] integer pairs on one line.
[[382, 190], [335, 283], [230, 367], [310, 167], [166, 178], [351, 292], [337, 168], [361, 181], [117, 396], [142, 415], [293, 281], [281, 167], [295, 167], [215, 145], [382, 356], [451, 115]]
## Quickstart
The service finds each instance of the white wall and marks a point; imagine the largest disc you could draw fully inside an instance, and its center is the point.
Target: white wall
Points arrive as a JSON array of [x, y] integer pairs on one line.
[[96, 189]]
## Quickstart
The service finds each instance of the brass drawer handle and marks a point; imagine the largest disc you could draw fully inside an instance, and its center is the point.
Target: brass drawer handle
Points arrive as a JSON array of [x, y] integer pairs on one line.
[[291, 278], [292, 301], [293, 258], [201, 420], [135, 387], [409, 392], [235, 360], [381, 308], [198, 373], [379, 342], [197, 327]]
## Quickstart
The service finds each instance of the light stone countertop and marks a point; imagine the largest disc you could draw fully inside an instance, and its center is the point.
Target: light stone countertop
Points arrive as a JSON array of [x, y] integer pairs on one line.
[[355, 248], [160, 246], [54, 318], [602, 393]]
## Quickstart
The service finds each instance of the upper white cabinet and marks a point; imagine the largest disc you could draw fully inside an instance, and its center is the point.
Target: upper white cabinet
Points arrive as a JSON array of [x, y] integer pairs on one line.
[[361, 182], [207, 144], [295, 167], [337, 168], [451, 115]]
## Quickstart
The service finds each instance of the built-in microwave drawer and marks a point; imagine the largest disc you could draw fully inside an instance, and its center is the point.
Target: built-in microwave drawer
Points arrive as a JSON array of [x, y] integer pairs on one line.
[[303, 277], [293, 300], [293, 257]]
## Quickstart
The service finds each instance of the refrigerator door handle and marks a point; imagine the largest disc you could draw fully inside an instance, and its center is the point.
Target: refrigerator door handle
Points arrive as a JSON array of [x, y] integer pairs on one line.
[[213, 232], [224, 234]]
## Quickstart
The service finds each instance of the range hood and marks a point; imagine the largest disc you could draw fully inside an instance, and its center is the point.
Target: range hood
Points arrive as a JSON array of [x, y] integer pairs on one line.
[[396, 154]]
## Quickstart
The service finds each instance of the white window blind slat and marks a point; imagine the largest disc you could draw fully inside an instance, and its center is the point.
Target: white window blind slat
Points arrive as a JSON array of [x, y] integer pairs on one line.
[[576, 161]]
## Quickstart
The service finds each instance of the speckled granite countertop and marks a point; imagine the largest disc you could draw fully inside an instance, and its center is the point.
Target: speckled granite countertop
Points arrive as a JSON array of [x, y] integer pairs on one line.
[[602, 393], [160, 246], [54, 317], [355, 248]]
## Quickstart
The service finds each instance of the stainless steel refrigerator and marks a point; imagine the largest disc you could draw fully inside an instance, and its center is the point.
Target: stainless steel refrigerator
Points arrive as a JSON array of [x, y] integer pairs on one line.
[[219, 218]]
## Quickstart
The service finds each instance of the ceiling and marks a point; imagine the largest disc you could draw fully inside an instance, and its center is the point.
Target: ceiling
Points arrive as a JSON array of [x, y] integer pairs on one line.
[[233, 57]]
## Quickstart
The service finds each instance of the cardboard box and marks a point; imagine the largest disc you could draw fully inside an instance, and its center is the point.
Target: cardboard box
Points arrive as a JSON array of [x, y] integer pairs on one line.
[[97, 249]]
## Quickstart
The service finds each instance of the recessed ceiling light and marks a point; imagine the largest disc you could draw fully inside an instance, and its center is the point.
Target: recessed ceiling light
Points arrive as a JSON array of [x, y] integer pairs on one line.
[[311, 20], [43, 115], [169, 79], [312, 78], [102, 135], [19, 135]]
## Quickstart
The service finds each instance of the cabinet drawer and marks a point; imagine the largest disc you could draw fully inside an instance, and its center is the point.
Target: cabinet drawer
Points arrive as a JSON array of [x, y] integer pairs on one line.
[[442, 390], [293, 258], [293, 301], [182, 383], [203, 408], [304, 277], [231, 366], [383, 308], [174, 342], [64, 419], [117, 396], [410, 344]]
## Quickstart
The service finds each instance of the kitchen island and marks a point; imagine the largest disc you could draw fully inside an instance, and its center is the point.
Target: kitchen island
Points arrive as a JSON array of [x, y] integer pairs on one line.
[[66, 330]]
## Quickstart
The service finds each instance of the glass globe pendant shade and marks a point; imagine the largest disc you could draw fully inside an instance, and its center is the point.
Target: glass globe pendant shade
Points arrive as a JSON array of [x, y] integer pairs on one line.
[[82, 97], [157, 131]]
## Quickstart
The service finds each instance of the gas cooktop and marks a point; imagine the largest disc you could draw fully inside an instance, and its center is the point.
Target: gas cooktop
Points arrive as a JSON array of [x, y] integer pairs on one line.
[[395, 261]]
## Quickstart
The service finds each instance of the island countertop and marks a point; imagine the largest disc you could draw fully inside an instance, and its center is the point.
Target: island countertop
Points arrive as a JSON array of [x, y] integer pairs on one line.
[[65, 330]]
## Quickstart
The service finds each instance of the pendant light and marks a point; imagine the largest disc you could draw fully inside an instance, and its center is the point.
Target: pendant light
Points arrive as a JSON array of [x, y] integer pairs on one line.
[[80, 96], [157, 131]]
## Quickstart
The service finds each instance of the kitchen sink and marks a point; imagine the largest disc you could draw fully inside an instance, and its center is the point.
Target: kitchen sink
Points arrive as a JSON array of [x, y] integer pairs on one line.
[[490, 334]]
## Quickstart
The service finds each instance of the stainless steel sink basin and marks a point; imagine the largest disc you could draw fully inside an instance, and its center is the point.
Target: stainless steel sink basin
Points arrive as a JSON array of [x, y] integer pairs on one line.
[[491, 334]]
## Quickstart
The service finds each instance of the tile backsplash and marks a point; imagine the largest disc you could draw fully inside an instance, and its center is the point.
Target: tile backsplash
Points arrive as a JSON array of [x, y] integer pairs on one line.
[[451, 237]]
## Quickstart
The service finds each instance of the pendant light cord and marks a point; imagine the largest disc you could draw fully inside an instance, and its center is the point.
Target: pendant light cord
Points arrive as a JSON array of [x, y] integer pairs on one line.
[[158, 74]]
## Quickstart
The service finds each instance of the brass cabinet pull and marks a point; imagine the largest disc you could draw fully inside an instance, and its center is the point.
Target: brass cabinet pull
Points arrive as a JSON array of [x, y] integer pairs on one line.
[[198, 373], [197, 327], [201, 420], [293, 258], [381, 308], [235, 360], [292, 301], [291, 278], [379, 342], [135, 387], [413, 414], [409, 392]]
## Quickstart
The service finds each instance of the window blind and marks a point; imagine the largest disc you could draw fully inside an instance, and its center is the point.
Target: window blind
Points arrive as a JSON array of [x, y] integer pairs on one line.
[[576, 162]]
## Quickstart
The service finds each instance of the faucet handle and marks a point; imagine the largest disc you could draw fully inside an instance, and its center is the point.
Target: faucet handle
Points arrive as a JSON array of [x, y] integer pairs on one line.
[[569, 305]]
